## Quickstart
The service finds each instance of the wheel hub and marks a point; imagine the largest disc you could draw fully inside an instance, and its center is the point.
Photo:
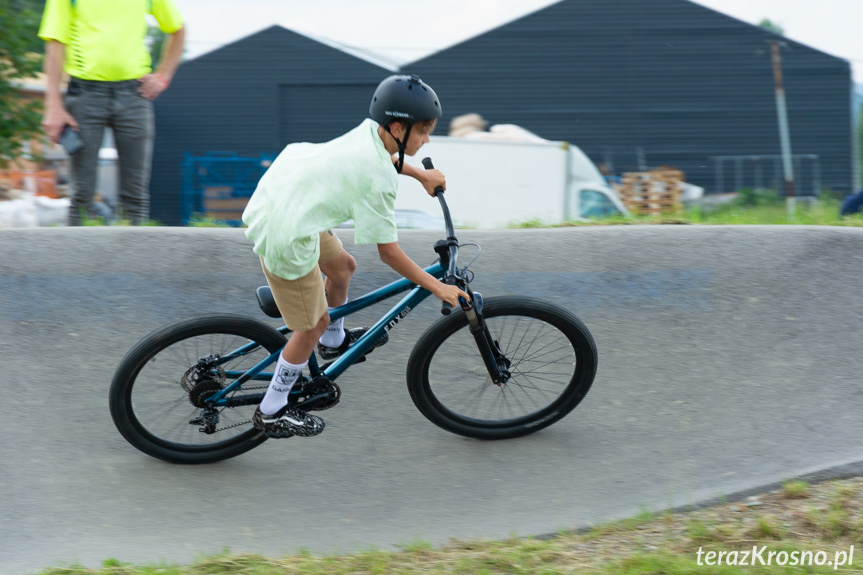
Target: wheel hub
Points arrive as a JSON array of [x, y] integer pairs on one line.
[[203, 380], [198, 395]]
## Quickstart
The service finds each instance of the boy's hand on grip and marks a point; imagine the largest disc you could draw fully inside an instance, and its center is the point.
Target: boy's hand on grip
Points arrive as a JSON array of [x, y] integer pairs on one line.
[[450, 294], [432, 180]]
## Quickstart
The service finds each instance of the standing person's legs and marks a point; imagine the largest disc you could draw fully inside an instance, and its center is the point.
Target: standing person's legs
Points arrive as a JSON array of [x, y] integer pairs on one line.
[[134, 131], [90, 106]]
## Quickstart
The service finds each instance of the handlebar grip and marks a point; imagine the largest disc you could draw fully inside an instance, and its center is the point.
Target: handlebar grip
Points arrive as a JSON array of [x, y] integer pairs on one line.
[[427, 164], [445, 308]]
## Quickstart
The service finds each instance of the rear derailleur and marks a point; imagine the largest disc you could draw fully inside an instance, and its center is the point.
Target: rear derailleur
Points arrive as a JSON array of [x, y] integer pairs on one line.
[[201, 381], [208, 420]]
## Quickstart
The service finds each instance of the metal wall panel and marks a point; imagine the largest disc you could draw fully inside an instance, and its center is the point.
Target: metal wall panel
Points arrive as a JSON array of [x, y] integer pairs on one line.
[[633, 83], [669, 80], [337, 109], [234, 99]]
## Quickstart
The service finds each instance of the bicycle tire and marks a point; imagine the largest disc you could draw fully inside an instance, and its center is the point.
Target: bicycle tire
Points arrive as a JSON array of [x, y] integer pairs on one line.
[[441, 388], [147, 400]]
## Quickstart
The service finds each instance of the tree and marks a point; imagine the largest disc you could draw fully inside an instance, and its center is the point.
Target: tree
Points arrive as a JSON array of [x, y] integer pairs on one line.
[[771, 26], [19, 119], [155, 41], [35, 43]]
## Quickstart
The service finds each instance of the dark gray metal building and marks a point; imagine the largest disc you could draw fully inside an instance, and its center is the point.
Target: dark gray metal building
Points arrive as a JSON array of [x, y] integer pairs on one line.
[[665, 82], [253, 97], [634, 84]]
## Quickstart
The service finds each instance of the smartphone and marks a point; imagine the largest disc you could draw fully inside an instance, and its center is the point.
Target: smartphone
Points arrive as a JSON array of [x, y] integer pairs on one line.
[[71, 140]]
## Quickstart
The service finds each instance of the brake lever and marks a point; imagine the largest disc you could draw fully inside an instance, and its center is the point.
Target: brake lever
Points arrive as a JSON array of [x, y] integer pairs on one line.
[[466, 305]]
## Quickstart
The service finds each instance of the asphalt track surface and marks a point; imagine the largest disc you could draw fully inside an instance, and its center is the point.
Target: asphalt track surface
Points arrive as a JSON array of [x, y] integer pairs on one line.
[[729, 359]]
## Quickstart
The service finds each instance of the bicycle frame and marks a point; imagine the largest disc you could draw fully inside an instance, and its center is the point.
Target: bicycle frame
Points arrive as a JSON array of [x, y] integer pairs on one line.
[[445, 269], [333, 370]]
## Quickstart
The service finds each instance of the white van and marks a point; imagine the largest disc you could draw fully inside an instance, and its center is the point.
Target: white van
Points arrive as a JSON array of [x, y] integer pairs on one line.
[[496, 184]]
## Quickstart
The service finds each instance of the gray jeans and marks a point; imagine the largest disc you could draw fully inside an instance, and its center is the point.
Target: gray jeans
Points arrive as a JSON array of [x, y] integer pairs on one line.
[[95, 106]]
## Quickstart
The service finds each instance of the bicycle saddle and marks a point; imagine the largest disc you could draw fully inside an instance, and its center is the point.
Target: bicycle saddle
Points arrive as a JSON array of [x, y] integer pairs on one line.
[[267, 302]]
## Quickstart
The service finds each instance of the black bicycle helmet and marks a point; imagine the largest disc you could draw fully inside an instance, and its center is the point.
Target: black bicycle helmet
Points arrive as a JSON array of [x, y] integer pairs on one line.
[[403, 98]]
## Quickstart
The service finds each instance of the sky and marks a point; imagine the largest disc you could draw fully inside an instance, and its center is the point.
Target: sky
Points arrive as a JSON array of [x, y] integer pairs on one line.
[[832, 26]]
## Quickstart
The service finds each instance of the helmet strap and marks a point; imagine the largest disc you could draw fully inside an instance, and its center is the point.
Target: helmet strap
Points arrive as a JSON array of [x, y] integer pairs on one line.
[[402, 144]]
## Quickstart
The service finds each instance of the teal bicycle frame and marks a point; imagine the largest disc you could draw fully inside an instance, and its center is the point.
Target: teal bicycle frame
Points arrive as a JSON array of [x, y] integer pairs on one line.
[[332, 370]]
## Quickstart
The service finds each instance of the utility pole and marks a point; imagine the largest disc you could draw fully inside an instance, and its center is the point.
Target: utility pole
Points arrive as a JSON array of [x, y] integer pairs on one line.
[[784, 135]]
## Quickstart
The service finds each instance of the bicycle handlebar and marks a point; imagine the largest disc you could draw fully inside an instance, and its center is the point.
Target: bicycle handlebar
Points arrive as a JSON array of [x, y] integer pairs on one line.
[[446, 308], [428, 165]]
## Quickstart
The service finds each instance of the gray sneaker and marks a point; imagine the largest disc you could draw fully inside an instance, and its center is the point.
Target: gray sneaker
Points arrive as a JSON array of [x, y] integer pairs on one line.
[[286, 422]]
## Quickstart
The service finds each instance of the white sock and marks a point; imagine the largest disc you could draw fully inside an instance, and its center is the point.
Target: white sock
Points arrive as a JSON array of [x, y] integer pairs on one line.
[[284, 378], [335, 334]]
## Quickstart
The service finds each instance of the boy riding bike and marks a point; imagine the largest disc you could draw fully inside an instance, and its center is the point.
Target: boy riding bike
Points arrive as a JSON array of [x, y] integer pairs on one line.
[[310, 189]]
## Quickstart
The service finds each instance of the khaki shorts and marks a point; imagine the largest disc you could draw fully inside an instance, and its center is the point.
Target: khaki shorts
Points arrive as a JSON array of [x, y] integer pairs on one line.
[[302, 302]]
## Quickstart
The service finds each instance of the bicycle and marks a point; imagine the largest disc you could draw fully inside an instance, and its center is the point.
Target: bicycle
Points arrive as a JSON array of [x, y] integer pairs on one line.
[[180, 394]]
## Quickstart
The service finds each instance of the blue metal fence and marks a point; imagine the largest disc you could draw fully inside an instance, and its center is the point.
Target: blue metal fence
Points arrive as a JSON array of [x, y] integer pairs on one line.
[[217, 185]]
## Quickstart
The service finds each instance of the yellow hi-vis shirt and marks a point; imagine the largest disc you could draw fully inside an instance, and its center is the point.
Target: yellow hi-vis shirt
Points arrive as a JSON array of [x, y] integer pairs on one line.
[[105, 38]]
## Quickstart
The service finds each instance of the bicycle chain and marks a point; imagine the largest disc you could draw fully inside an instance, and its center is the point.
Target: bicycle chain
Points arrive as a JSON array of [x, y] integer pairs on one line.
[[232, 426], [331, 384], [217, 430]]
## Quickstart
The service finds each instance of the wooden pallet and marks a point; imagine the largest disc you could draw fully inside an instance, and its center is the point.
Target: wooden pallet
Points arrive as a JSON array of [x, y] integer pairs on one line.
[[224, 208], [651, 193]]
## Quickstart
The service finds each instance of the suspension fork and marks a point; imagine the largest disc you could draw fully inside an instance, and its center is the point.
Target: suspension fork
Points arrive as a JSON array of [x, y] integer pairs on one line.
[[495, 361]]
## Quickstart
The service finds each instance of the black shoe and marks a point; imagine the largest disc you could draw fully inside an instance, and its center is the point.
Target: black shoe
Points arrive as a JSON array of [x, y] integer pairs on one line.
[[351, 336], [288, 421]]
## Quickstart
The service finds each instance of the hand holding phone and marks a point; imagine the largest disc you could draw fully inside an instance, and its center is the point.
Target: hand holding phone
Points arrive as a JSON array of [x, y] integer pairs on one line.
[[71, 140]]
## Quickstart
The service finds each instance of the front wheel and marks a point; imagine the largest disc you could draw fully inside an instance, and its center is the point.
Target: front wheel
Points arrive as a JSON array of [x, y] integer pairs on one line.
[[552, 364], [159, 394]]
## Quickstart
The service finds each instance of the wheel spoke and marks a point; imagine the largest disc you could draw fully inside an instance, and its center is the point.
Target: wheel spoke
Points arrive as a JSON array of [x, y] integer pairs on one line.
[[543, 367], [160, 388]]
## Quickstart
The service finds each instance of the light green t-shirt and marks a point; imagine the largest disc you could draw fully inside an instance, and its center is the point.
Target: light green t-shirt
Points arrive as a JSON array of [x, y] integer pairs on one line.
[[311, 188], [105, 38]]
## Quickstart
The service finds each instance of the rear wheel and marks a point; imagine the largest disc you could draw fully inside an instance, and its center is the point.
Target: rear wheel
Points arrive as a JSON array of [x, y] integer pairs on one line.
[[552, 364], [158, 397]]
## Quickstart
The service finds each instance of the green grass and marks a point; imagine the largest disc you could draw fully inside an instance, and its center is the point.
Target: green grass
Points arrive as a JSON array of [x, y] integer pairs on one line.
[[647, 544], [750, 208], [795, 489], [825, 212], [525, 557], [644, 516], [197, 221], [798, 517], [100, 221]]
